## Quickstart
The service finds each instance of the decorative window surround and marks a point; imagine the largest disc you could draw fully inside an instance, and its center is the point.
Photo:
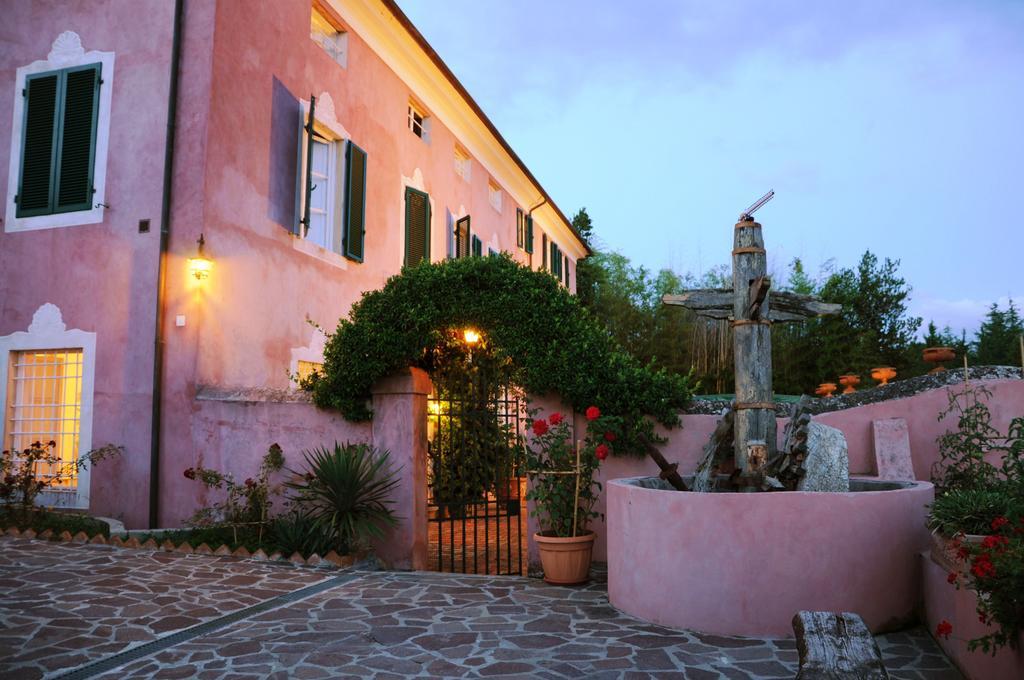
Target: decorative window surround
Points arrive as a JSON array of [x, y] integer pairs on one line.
[[66, 51], [494, 196], [48, 332]]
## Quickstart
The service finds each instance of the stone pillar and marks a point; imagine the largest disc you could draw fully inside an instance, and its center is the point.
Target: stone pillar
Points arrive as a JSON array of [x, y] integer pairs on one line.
[[400, 426]]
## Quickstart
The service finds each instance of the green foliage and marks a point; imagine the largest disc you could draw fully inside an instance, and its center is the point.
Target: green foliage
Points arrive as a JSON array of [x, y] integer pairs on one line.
[[245, 507], [972, 510], [966, 454], [21, 481], [297, 532], [346, 492], [39, 520], [997, 342], [583, 225], [564, 495], [554, 344]]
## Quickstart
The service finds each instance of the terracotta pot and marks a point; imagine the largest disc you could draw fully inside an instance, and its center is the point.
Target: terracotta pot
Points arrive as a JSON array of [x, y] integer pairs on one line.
[[883, 374], [936, 355], [825, 390], [566, 561], [849, 381]]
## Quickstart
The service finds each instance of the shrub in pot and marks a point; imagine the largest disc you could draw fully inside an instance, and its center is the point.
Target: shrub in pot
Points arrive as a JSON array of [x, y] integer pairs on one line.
[[563, 490]]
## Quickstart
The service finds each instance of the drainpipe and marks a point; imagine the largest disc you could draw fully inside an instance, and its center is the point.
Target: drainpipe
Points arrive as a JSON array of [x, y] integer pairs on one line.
[[161, 291]]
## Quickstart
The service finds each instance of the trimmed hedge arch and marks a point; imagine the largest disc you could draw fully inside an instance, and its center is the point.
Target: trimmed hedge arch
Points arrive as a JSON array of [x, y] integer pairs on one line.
[[555, 344]]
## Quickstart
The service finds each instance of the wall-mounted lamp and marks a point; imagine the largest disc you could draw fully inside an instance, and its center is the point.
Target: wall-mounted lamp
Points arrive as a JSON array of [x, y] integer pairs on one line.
[[471, 336], [199, 265]]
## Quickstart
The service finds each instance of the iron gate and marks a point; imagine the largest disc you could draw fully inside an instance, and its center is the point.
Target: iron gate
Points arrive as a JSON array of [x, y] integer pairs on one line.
[[475, 504]]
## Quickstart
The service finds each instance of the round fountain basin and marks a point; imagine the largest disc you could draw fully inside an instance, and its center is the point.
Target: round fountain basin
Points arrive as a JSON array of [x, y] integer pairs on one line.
[[745, 563]]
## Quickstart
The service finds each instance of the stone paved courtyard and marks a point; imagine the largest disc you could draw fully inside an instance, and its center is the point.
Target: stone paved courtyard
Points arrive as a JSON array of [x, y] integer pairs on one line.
[[64, 606]]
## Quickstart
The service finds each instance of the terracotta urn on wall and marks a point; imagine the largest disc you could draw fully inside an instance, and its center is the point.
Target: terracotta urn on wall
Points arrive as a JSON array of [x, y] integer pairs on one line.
[[937, 355], [883, 374], [849, 381], [825, 390]]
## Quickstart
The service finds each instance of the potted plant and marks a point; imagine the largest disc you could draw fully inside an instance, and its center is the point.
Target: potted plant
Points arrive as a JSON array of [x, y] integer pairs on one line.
[[564, 491]]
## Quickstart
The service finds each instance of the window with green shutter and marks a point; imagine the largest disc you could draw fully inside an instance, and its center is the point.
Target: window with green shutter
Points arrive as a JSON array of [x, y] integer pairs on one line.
[[478, 247], [417, 226], [543, 251], [528, 234], [462, 240], [58, 150], [520, 226], [355, 202]]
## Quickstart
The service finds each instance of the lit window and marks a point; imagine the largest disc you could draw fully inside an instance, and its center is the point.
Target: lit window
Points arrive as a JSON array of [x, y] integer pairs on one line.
[[328, 33], [308, 368], [45, 389], [463, 164], [418, 121], [494, 195]]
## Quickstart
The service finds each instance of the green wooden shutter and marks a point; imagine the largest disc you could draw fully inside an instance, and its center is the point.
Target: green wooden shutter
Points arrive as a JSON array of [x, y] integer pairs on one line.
[[39, 146], [529, 234], [417, 226], [478, 247], [355, 202], [565, 271], [76, 149], [543, 251], [462, 237]]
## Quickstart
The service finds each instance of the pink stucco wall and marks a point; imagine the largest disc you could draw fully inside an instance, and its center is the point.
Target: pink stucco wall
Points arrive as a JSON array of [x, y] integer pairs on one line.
[[921, 412], [744, 564], [101, 276], [943, 602]]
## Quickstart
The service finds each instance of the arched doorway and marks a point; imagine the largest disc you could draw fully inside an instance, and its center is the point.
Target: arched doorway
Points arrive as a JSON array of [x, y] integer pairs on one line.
[[476, 513]]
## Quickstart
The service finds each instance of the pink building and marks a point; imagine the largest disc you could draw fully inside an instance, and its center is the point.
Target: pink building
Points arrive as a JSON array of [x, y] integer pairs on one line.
[[313, 148]]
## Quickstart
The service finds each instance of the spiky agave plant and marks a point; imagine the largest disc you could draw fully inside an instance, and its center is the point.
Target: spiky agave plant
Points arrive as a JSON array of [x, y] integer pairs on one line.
[[346, 491]]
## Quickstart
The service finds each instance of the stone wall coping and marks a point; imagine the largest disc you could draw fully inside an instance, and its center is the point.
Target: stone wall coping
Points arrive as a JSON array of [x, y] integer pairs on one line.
[[253, 395]]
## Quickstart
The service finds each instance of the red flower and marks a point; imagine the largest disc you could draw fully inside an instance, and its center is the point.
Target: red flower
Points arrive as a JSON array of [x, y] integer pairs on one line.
[[944, 629], [593, 413], [610, 436], [983, 567], [540, 427], [999, 522], [951, 578], [555, 418], [990, 542], [601, 451], [189, 473], [250, 483]]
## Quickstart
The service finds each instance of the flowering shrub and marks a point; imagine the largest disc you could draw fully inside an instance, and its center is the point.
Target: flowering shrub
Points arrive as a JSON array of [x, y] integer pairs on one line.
[[551, 467], [246, 505], [995, 569], [21, 481]]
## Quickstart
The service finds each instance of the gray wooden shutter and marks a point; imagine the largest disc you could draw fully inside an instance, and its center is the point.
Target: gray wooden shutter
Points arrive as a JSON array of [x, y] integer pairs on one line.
[[76, 149], [417, 226], [39, 145], [520, 227], [355, 202]]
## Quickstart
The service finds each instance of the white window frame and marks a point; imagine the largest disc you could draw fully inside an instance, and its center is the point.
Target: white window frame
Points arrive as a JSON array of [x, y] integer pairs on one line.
[[66, 51], [48, 332], [424, 123], [331, 200], [326, 122], [463, 164]]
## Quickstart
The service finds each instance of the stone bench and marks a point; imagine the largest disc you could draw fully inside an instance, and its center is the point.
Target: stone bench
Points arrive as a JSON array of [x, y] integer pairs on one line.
[[836, 647]]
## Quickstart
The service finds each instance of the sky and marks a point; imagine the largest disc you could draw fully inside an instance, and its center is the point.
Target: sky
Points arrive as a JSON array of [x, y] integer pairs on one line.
[[895, 127]]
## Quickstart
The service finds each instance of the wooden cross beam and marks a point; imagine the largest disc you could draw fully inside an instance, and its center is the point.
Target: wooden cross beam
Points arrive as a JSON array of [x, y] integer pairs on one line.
[[717, 303]]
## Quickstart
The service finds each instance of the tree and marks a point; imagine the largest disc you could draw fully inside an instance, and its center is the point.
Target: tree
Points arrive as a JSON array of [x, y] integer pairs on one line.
[[583, 225], [997, 341]]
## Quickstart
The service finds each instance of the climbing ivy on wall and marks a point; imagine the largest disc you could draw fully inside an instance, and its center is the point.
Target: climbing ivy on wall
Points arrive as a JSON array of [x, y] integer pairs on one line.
[[555, 345]]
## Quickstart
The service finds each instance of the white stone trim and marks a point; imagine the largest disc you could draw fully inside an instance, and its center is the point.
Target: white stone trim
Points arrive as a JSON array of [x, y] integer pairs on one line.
[[47, 332], [66, 51]]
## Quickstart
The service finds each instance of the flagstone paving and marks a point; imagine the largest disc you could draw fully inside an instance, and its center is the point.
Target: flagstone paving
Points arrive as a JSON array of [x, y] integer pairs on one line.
[[381, 625]]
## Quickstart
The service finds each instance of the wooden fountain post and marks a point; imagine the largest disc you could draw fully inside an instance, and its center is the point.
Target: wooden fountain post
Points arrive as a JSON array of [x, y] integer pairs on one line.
[[754, 437]]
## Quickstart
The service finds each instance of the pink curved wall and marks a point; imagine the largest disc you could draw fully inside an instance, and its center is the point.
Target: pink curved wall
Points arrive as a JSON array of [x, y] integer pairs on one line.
[[921, 412], [744, 564]]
